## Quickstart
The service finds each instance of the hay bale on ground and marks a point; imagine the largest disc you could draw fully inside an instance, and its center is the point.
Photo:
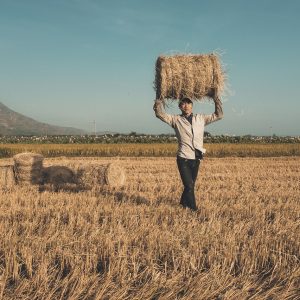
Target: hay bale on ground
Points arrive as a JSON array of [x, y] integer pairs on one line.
[[57, 178], [58, 175], [192, 76], [28, 168], [91, 176], [7, 178]]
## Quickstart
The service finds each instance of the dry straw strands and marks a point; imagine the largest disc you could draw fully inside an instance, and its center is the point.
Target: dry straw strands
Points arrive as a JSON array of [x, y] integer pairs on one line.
[[28, 168], [244, 242], [192, 76], [7, 178], [92, 176]]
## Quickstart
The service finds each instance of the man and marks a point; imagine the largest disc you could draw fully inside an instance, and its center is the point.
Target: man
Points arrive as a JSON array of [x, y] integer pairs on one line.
[[189, 129]]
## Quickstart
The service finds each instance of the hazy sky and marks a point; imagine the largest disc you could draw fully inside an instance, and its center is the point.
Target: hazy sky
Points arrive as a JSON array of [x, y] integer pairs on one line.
[[70, 62]]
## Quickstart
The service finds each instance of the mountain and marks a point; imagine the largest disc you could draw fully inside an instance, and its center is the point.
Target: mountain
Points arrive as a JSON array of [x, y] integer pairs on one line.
[[13, 123]]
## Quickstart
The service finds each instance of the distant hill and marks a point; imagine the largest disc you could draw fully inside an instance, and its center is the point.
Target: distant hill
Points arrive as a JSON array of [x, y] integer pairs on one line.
[[13, 123]]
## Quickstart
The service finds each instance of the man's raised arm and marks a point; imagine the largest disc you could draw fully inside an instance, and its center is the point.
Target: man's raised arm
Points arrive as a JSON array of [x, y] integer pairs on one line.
[[161, 114], [217, 115]]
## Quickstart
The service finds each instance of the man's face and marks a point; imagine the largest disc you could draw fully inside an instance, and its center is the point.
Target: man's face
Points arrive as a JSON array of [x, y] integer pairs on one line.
[[186, 108]]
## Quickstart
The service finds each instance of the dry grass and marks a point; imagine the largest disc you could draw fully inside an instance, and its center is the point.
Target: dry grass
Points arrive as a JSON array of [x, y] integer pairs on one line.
[[192, 76], [137, 243]]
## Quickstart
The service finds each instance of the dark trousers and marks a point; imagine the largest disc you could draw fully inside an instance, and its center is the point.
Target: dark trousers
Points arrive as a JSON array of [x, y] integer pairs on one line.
[[188, 169]]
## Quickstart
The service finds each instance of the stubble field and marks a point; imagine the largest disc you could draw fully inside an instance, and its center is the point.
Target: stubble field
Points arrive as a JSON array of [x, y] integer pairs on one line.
[[137, 243]]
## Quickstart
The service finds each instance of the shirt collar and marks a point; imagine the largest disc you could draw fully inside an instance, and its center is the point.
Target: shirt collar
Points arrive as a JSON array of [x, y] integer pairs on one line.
[[188, 116]]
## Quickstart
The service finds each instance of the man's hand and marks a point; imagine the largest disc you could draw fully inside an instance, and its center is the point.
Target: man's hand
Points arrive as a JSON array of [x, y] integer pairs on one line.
[[217, 99]]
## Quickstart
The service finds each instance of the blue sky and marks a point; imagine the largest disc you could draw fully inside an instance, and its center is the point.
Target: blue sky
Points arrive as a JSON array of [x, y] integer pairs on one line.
[[70, 62]]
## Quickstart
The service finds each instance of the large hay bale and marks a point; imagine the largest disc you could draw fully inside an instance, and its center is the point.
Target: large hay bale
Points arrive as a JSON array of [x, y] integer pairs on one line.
[[192, 76], [57, 178], [91, 176], [28, 168], [58, 175], [7, 178]]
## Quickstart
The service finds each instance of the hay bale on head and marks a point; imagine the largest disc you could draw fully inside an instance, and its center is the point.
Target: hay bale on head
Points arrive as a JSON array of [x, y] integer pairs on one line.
[[91, 176], [192, 76], [28, 168], [7, 178]]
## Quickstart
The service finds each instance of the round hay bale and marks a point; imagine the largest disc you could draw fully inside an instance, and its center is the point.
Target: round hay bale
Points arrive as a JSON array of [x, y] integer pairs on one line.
[[7, 178], [28, 178], [58, 175], [91, 176], [58, 178], [188, 75], [28, 159], [28, 168], [114, 175]]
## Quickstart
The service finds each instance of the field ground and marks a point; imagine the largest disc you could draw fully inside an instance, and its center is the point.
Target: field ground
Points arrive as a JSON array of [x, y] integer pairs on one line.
[[137, 243]]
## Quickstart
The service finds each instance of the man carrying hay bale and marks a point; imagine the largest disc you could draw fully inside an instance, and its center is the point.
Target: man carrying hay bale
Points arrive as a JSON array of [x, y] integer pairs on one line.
[[189, 129], [179, 83]]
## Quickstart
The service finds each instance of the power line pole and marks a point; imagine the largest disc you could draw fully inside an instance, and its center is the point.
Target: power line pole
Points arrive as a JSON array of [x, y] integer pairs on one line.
[[94, 127]]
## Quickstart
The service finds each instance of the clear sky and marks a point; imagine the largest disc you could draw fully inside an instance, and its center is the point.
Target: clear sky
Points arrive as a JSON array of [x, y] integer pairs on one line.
[[69, 62]]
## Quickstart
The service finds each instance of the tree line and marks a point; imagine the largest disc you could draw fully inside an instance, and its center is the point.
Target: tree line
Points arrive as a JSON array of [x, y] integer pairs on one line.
[[134, 137]]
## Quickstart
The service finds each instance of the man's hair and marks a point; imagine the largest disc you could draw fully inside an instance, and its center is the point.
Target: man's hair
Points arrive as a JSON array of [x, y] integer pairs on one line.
[[185, 100]]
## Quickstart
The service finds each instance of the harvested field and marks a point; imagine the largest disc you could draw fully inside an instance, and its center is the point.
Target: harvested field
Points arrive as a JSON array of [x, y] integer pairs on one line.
[[135, 242]]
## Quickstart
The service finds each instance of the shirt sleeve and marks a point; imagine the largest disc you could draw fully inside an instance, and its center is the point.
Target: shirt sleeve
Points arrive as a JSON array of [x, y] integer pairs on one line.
[[162, 115], [217, 115]]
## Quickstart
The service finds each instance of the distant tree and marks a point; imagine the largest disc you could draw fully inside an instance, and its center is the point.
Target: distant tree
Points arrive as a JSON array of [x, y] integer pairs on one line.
[[132, 133]]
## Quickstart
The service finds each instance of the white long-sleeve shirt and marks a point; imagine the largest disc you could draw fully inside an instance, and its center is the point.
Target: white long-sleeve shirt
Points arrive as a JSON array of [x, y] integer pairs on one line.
[[189, 136]]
